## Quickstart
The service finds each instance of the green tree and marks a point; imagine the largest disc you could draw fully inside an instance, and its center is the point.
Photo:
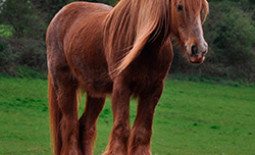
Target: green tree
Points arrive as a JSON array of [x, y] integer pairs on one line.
[[23, 17]]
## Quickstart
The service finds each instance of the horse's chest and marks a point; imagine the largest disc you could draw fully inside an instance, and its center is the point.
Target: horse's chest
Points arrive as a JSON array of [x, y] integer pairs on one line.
[[146, 72]]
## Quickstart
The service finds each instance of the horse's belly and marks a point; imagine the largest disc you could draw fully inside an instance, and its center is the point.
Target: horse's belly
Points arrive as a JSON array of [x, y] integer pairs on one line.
[[92, 74]]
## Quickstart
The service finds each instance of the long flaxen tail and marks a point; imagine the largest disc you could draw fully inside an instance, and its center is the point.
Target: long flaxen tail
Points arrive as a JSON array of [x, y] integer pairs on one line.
[[55, 117]]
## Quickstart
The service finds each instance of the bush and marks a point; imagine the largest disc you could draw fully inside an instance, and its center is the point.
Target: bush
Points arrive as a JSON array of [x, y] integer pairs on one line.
[[230, 33], [31, 53], [6, 31], [22, 52], [23, 17], [27, 72], [7, 58]]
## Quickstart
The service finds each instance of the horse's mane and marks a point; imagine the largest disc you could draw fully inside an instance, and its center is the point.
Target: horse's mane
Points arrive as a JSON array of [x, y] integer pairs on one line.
[[132, 23]]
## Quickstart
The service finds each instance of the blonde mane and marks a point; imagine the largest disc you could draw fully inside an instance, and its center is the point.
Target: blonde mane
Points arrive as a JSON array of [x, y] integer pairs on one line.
[[132, 23]]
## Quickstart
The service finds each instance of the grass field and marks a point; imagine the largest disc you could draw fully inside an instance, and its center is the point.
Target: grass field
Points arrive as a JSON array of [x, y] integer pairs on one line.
[[191, 118]]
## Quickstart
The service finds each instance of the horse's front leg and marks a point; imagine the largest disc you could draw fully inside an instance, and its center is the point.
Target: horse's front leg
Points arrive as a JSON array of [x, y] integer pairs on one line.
[[118, 141], [139, 142]]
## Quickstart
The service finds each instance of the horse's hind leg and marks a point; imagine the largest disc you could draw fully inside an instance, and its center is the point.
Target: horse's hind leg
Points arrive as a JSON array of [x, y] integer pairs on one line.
[[67, 125], [88, 123], [139, 142]]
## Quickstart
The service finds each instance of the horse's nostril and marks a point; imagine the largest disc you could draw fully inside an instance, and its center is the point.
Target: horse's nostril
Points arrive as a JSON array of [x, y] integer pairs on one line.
[[204, 52], [194, 50]]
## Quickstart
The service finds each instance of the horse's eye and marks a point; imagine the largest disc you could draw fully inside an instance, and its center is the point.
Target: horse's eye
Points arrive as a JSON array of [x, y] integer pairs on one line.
[[180, 7]]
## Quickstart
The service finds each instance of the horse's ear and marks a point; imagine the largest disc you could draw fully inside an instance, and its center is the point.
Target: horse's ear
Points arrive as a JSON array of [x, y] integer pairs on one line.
[[205, 10]]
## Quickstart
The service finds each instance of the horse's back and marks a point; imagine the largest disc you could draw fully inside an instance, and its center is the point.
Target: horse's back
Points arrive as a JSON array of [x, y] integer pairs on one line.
[[75, 41], [72, 14]]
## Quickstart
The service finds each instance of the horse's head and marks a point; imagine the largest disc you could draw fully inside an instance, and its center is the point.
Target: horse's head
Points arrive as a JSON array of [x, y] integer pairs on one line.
[[187, 19]]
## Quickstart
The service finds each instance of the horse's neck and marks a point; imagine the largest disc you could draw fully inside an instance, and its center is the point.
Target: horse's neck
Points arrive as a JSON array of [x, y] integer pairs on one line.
[[131, 19], [133, 25]]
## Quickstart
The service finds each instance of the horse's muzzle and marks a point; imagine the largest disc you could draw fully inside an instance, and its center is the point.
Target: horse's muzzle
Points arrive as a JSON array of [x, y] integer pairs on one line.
[[197, 55]]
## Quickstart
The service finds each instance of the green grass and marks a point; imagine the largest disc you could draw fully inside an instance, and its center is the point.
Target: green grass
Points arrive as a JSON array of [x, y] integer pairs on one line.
[[191, 118]]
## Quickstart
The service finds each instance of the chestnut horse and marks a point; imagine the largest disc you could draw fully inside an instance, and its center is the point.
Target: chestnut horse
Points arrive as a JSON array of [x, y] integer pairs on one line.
[[122, 51]]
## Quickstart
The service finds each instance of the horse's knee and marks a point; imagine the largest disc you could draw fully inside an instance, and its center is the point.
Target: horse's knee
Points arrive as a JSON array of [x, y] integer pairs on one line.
[[141, 136], [69, 126], [139, 143], [87, 132], [122, 131]]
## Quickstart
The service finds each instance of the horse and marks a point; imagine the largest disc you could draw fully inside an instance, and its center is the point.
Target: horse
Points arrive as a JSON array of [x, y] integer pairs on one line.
[[123, 51]]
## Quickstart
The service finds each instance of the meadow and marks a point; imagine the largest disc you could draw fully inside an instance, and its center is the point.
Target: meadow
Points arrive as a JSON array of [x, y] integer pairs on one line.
[[192, 118]]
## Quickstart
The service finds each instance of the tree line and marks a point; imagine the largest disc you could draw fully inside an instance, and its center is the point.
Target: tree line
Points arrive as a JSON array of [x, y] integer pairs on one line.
[[229, 31]]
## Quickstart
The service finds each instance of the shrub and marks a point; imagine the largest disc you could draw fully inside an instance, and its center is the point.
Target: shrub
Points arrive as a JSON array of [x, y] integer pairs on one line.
[[22, 52], [31, 53], [230, 33], [23, 17], [7, 58], [6, 31]]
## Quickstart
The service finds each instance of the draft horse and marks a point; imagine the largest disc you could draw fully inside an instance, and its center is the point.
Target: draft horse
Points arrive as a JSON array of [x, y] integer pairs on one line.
[[123, 51]]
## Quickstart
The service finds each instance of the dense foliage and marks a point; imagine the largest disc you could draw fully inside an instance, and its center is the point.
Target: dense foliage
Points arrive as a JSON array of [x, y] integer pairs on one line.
[[229, 31]]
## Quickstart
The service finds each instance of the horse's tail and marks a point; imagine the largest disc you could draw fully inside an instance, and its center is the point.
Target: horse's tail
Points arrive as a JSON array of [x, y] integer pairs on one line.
[[55, 117]]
